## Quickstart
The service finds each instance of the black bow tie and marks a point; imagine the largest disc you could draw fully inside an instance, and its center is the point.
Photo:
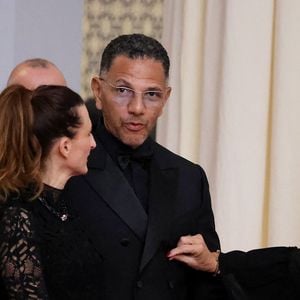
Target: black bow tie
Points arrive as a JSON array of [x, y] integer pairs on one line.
[[124, 159]]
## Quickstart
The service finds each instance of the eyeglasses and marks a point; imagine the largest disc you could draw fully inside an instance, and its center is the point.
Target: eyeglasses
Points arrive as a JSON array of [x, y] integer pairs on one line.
[[123, 95]]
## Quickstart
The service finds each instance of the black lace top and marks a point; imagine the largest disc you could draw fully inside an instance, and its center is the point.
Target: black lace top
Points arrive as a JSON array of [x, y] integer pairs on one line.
[[44, 257]]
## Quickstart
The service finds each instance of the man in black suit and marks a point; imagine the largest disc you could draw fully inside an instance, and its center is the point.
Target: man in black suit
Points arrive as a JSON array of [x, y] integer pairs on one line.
[[138, 198]]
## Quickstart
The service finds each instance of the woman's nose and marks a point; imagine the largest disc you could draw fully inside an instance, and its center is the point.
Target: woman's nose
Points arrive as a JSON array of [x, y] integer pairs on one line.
[[93, 142]]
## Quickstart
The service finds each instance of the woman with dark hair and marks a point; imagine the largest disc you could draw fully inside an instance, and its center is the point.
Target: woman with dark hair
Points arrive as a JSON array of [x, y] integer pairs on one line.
[[45, 139]]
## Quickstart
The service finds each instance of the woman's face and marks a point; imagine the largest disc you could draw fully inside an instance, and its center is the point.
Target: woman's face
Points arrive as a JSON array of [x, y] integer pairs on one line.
[[81, 144]]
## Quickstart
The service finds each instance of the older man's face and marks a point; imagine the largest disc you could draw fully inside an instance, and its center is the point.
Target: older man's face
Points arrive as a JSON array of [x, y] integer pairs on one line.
[[132, 95], [31, 78]]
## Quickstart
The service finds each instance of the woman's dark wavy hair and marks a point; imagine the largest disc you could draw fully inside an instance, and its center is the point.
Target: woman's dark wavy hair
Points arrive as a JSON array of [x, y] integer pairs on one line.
[[134, 46], [55, 114], [30, 123]]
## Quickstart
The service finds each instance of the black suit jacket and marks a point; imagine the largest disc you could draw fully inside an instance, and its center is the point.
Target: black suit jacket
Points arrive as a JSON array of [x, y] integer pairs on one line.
[[133, 244], [262, 274]]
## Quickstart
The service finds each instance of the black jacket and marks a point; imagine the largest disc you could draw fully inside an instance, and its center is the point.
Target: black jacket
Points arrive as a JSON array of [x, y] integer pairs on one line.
[[134, 244], [262, 274]]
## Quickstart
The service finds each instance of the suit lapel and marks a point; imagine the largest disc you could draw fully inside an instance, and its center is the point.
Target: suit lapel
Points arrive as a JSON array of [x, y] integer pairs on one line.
[[109, 182], [161, 202]]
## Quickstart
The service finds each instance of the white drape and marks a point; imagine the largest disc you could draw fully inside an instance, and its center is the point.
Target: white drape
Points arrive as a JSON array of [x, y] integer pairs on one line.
[[235, 109]]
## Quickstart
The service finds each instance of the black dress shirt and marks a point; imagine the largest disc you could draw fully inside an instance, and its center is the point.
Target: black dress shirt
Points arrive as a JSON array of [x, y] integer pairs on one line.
[[134, 163]]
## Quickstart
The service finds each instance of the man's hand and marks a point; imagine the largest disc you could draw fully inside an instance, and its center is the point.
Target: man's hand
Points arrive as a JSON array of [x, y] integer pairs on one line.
[[192, 250]]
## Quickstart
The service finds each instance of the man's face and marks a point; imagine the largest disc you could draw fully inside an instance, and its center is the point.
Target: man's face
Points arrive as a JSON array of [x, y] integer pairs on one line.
[[31, 78], [131, 95]]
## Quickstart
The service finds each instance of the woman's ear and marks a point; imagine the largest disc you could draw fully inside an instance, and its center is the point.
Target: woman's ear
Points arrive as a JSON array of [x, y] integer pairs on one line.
[[97, 89], [65, 146]]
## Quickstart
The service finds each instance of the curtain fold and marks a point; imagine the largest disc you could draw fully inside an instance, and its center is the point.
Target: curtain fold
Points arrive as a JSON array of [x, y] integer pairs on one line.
[[284, 220], [235, 72]]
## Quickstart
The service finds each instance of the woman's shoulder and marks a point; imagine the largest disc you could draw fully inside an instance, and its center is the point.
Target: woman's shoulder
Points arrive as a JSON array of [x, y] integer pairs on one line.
[[15, 202], [16, 212]]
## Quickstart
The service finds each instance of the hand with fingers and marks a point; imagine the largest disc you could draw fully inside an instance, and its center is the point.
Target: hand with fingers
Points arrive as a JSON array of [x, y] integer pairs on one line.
[[192, 250]]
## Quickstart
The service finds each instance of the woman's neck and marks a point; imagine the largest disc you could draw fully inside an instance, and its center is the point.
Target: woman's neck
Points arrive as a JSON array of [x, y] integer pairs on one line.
[[55, 173], [55, 179]]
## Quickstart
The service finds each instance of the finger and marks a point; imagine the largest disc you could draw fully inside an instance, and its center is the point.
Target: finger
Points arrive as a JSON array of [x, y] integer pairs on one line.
[[184, 240], [190, 240], [197, 239], [183, 249]]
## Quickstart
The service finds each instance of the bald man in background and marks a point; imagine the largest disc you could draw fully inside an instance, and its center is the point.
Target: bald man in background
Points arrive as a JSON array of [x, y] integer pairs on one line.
[[34, 72]]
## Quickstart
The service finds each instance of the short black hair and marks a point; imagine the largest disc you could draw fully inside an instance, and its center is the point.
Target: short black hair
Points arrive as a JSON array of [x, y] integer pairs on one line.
[[134, 46]]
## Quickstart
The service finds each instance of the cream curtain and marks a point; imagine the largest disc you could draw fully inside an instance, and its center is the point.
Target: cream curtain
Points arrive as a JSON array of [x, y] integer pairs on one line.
[[235, 109]]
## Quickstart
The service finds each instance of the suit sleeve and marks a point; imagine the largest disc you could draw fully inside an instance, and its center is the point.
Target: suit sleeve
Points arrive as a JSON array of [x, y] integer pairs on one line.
[[203, 285], [209, 233], [267, 273]]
